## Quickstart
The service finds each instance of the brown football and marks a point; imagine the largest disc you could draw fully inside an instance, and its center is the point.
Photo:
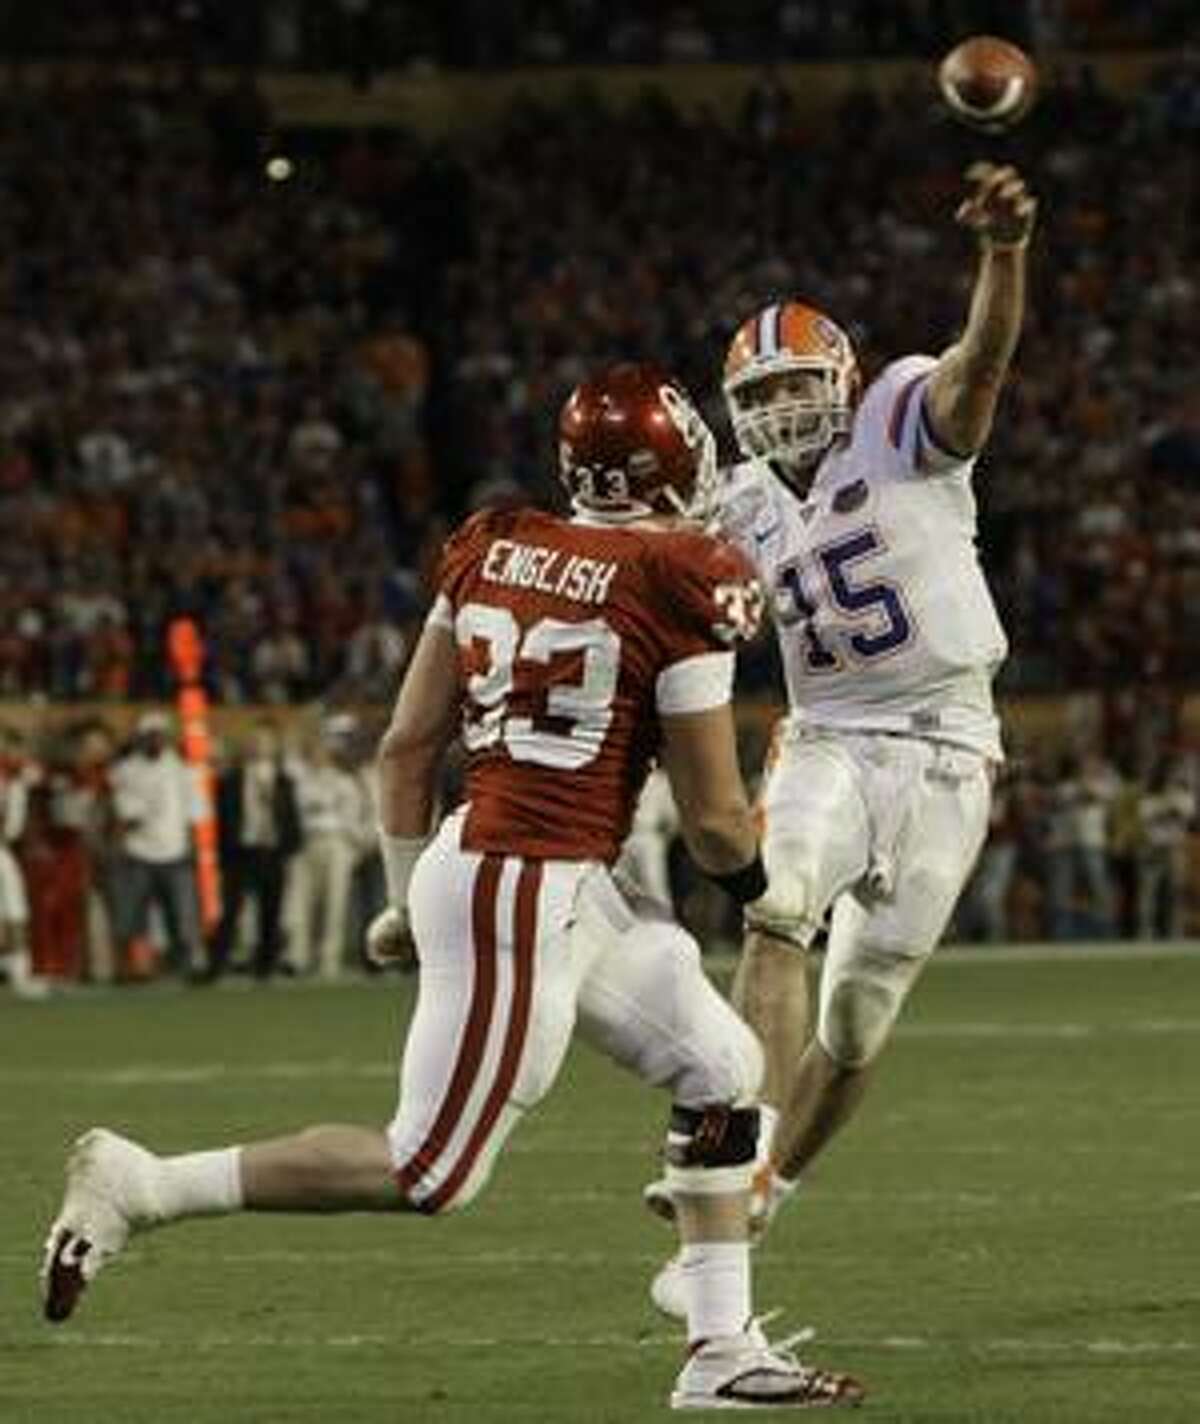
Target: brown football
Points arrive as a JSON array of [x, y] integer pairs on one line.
[[988, 83]]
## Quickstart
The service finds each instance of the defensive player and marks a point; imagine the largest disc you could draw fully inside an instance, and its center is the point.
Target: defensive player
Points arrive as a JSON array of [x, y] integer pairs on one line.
[[566, 652], [859, 515]]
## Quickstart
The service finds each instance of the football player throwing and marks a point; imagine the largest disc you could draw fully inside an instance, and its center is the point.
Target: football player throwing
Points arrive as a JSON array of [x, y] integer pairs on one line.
[[856, 508]]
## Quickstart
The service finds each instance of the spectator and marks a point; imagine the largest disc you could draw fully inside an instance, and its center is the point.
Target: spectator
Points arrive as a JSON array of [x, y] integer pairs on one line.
[[1078, 849], [17, 775], [1167, 808], [338, 830], [156, 803], [259, 829]]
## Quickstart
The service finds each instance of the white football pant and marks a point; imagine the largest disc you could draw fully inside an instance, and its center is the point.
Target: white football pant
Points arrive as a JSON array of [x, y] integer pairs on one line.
[[513, 953], [886, 829]]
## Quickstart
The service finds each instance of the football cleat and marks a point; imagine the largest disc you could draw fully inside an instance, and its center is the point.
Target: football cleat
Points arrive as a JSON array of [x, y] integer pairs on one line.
[[109, 1195], [746, 1372]]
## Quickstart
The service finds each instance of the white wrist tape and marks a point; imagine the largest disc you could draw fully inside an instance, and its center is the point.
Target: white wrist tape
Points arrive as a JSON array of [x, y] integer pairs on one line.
[[400, 855]]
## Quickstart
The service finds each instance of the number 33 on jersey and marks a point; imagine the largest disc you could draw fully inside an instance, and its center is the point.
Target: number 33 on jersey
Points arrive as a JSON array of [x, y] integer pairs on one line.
[[568, 632]]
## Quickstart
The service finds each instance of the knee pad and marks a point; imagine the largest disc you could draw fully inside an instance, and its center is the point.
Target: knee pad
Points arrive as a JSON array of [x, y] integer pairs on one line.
[[861, 1002], [710, 1151]]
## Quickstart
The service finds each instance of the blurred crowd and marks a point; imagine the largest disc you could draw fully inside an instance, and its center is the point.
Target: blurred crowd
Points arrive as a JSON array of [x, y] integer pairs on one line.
[[208, 407], [364, 37], [98, 843], [259, 400]]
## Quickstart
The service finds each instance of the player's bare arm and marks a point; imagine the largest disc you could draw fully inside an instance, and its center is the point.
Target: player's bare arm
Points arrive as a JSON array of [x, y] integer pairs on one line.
[[423, 722], [965, 385], [700, 758]]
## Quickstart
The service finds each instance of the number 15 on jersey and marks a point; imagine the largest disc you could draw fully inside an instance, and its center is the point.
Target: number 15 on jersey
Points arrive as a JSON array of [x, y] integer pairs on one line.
[[876, 620]]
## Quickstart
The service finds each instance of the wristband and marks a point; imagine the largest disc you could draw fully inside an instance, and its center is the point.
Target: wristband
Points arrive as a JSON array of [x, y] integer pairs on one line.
[[400, 855], [745, 884]]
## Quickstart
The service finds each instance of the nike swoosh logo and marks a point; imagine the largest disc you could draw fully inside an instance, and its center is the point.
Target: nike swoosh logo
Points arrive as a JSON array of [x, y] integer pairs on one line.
[[762, 538]]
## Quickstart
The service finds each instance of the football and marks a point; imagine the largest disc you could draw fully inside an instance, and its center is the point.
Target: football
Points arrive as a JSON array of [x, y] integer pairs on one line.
[[988, 83]]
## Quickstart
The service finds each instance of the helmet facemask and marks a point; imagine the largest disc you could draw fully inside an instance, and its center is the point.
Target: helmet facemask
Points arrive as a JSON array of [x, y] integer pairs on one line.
[[790, 408], [701, 503]]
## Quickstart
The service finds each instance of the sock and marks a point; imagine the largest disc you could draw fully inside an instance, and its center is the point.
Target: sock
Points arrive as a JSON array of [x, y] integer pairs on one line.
[[767, 1118], [200, 1183], [717, 1283]]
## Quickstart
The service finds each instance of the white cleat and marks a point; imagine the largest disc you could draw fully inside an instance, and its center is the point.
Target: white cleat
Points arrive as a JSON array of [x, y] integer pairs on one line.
[[109, 1195], [668, 1290], [746, 1372]]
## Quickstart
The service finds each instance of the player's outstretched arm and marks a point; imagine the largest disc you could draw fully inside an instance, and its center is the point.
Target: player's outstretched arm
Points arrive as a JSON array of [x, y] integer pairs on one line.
[[965, 385]]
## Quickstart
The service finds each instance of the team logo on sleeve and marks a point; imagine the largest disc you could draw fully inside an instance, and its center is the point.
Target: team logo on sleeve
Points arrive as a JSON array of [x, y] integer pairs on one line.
[[741, 608]]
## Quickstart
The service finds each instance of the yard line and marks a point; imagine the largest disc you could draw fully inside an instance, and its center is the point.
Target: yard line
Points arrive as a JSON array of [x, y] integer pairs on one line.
[[141, 1074], [408, 1341]]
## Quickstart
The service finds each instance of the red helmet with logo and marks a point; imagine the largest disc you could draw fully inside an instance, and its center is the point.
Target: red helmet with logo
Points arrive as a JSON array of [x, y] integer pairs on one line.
[[632, 443]]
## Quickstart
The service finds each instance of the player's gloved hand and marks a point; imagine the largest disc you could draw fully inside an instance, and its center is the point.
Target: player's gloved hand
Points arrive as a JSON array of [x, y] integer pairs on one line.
[[784, 910], [389, 938]]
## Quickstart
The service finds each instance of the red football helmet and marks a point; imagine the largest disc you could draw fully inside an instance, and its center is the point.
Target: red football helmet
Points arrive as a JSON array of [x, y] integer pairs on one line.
[[791, 384], [632, 443]]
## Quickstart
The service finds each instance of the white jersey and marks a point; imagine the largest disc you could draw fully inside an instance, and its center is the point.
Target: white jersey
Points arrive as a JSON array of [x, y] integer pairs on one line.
[[884, 617]]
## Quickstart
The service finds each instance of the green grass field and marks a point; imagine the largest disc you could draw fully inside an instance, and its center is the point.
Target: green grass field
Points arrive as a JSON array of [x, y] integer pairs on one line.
[[1010, 1232]]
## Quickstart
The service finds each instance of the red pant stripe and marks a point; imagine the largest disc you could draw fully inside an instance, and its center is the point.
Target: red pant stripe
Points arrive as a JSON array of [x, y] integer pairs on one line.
[[529, 884], [475, 1032]]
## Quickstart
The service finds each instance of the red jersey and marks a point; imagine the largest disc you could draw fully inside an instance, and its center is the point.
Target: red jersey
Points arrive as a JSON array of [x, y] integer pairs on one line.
[[572, 639]]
